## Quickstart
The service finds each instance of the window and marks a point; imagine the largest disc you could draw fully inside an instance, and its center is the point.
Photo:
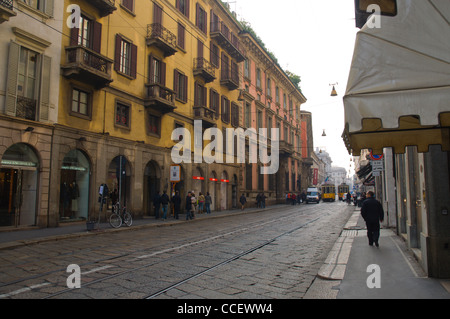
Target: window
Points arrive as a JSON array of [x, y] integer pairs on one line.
[[200, 95], [44, 6], [181, 36], [84, 33], [183, 6], [180, 86], [153, 124], [225, 110], [202, 18], [122, 115], [234, 115], [284, 101], [258, 78], [215, 55], [248, 115], [259, 123], [27, 79], [269, 87], [80, 102], [214, 103], [128, 4], [247, 69], [126, 57], [269, 126], [27, 84], [157, 72], [88, 35], [277, 95]]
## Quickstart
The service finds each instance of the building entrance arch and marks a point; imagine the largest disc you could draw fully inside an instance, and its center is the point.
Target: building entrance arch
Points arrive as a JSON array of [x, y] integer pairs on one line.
[[19, 175]]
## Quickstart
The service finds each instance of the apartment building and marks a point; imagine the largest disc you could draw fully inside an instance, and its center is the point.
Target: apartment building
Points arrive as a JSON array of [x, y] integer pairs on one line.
[[30, 54], [113, 80], [270, 100]]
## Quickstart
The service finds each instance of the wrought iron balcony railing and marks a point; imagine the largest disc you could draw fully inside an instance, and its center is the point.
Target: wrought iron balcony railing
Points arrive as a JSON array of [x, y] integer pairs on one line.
[[160, 98], [6, 10], [161, 37], [205, 69], [88, 65], [26, 108], [8, 4], [227, 40]]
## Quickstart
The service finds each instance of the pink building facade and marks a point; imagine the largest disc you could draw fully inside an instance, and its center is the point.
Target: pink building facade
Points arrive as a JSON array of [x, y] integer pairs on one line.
[[270, 100]]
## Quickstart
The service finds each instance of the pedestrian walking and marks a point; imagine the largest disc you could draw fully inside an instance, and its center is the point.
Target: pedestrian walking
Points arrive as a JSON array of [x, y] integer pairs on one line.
[[176, 201], [201, 203], [243, 200], [194, 205], [258, 200], [208, 202], [165, 204], [157, 204], [263, 200], [373, 213], [188, 206]]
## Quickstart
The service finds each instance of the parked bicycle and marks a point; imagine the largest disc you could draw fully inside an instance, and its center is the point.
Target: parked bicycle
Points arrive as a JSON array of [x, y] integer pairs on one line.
[[120, 216]]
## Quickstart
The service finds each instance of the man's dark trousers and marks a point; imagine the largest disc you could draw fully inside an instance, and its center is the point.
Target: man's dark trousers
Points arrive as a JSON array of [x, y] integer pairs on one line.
[[373, 232]]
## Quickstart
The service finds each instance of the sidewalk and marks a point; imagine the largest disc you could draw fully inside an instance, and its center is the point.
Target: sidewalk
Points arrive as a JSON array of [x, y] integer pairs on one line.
[[11, 238], [345, 273]]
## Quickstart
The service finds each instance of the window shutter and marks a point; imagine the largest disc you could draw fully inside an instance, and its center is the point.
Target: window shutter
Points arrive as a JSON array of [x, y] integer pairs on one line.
[[185, 88], [49, 7], [117, 53], [197, 14], [45, 89], [204, 97], [11, 85], [151, 70], [163, 74], [133, 62], [74, 36], [187, 5], [97, 36], [176, 79], [196, 87]]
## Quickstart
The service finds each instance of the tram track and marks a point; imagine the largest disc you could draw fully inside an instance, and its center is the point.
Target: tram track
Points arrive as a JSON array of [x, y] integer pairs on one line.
[[177, 250]]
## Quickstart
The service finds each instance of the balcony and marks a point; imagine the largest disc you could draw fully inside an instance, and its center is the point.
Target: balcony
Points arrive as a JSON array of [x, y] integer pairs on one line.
[[158, 36], [204, 69], [104, 7], [26, 108], [6, 10], [206, 115], [286, 149], [87, 66], [227, 40], [159, 98], [230, 78]]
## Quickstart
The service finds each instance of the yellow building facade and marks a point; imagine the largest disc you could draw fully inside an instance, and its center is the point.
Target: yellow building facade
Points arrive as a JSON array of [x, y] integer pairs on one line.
[[131, 73]]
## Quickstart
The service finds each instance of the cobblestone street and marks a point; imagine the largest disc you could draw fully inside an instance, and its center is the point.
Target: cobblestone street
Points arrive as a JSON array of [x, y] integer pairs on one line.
[[270, 254]]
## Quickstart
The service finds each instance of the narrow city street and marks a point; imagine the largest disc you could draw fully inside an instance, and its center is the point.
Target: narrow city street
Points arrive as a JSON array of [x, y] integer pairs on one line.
[[275, 253]]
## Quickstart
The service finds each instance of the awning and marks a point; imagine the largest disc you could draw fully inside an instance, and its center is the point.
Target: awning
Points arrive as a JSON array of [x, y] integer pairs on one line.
[[398, 92]]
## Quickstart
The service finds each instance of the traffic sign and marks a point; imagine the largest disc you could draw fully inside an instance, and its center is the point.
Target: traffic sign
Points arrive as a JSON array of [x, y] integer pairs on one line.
[[375, 157]]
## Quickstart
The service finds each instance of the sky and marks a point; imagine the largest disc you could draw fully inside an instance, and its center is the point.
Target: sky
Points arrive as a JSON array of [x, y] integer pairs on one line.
[[315, 40]]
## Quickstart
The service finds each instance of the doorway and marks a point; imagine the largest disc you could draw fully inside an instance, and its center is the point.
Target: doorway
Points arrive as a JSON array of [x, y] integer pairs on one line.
[[18, 186]]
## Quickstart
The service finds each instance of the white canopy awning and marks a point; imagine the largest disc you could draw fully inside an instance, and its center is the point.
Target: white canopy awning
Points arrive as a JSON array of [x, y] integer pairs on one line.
[[398, 91]]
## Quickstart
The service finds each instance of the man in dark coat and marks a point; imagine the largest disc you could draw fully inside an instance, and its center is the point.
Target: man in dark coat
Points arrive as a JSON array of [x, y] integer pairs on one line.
[[373, 213], [176, 200]]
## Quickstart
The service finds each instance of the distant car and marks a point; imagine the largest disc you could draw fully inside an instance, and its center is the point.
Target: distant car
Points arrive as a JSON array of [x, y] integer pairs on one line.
[[312, 195]]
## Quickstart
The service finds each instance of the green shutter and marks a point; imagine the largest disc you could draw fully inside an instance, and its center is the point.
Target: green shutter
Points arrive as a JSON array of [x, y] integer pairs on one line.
[[11, 85]]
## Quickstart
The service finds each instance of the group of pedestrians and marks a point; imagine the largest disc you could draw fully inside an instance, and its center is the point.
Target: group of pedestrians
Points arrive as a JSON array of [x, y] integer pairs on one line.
[[293, 199], [200, 204], [260, 201]]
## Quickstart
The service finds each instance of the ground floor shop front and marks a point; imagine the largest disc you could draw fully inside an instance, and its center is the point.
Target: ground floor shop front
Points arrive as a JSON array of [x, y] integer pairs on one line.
[[51, 174]]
